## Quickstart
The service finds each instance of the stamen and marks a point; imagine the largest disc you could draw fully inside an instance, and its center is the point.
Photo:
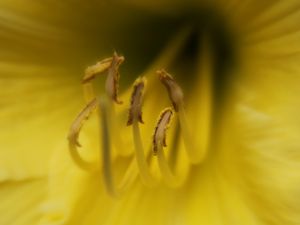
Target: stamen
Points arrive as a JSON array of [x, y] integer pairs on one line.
[[112, 81], [159, 142], [176, 97], [74, 134], [92, 71], [111, 65], [135, 116], [174, 90]]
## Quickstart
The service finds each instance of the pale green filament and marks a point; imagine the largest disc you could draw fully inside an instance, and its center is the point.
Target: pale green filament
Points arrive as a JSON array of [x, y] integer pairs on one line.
[[81, 163], [132, 170], [113, 124], [145, 173], [106, 148], [193, 155], [169, 177]]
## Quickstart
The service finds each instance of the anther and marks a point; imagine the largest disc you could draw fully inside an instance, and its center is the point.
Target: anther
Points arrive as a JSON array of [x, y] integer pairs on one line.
[[113, 77], [174, 90], [74, 134], [98, 68], [78, 122], [159, 136], [135, 111], [111, 65]]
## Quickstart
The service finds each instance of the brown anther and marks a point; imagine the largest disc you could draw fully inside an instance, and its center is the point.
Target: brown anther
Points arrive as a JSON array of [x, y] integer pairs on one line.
[[113, 77], [79, 120], [135, 110], [159, 136], [99, 67], [174, 90]]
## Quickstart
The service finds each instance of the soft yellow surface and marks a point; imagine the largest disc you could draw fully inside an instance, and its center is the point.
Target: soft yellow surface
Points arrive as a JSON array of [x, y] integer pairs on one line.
[[250, 173], [16, 197]]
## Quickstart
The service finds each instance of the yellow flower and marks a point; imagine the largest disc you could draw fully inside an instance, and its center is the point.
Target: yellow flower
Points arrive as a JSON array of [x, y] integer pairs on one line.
[[217, 90]]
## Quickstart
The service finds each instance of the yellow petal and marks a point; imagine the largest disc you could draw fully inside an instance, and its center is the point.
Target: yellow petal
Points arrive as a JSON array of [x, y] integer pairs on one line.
[[274, 31], [21, 201], [258, 145], [36, 110]]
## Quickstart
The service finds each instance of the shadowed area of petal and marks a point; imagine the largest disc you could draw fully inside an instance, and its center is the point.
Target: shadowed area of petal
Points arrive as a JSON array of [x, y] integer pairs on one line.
[[26, 36], [21, 201], [273, 32], [77, 33]]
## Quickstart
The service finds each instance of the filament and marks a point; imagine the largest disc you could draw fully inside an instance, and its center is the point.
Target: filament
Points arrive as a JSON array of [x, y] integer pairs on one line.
[[170, 178], [131, 172], [193, 155], [145, 174], [81, 163], [113, 124], [106, 150], [173, 157]]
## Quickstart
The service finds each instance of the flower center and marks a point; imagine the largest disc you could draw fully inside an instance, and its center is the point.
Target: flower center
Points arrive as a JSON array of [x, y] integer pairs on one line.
[[110, 129]]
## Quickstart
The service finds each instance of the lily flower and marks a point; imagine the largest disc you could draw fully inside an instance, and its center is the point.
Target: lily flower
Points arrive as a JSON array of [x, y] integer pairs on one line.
[[150, 112]]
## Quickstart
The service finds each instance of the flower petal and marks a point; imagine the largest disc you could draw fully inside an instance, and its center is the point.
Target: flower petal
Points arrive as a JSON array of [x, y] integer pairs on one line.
[[36, 112], [261, 153], [21, 201], [268, 33]]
